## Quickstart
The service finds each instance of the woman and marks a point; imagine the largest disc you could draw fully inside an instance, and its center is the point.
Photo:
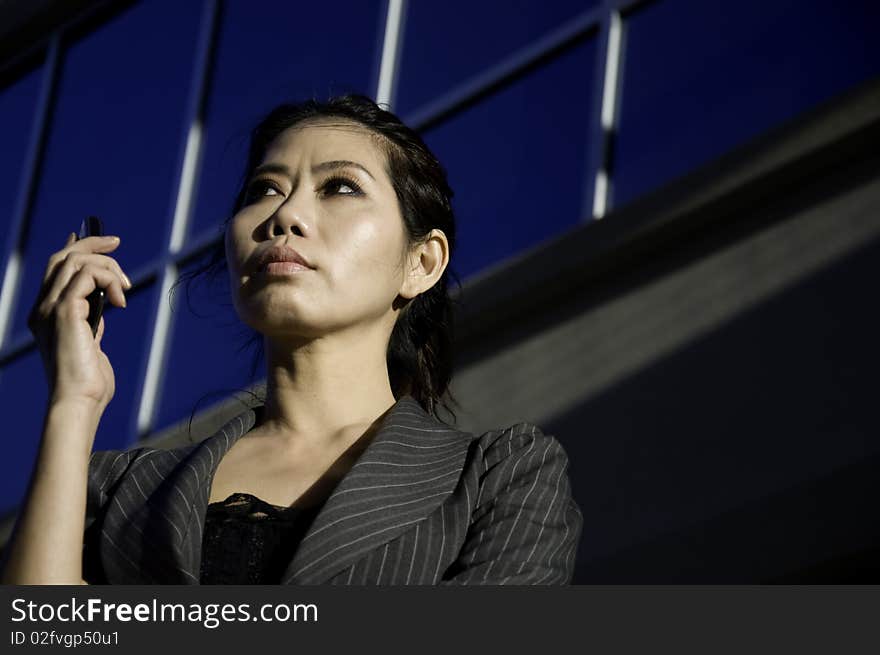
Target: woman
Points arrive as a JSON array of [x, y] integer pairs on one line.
[[337, 251]]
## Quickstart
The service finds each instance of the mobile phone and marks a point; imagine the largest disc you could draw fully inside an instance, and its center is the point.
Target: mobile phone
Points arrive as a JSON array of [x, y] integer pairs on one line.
[[93, 227]]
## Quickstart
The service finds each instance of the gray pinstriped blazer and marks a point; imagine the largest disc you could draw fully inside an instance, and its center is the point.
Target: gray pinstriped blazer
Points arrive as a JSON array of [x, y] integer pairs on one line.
[[423, 504]]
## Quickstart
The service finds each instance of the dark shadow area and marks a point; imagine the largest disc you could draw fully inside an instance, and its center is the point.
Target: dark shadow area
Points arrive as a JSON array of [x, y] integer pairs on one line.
[[750, 455]]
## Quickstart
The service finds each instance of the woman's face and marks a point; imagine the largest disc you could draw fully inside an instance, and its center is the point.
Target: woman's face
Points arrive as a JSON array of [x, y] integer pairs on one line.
[[324, 192]]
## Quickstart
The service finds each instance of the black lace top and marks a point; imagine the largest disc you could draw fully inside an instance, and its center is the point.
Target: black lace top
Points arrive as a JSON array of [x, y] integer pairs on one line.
[[249, 541]]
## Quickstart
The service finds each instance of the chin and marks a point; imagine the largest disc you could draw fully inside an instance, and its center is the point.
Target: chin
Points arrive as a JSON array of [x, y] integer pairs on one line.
[[285, 327]]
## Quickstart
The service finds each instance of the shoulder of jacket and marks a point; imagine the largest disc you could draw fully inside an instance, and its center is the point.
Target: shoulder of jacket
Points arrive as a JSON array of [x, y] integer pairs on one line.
[[114, 464], [515, 441]]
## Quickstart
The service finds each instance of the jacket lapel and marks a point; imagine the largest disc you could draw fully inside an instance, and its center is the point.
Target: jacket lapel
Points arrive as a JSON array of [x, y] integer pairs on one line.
[[194, 476], [158, 510], [411, 465]]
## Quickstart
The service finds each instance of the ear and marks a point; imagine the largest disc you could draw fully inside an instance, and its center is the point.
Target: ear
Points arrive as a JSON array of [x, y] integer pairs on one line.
[[425, 264]]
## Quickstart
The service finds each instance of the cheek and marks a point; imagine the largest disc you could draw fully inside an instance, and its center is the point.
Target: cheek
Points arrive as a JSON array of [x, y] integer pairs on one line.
[[368, 252]]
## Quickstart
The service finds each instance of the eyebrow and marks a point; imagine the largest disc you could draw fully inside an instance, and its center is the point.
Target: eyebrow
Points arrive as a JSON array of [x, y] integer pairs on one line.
[[336, 164]]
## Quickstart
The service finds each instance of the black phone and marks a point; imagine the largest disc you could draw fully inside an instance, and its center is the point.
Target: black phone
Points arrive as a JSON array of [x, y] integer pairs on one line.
[[93, 227]]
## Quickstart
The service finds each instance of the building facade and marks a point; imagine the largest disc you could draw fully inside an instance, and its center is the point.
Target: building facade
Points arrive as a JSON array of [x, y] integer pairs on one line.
[[668, 237]]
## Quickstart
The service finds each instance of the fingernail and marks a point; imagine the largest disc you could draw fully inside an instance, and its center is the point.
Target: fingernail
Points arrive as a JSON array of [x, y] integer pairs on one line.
[[113, 238], [127, 281]]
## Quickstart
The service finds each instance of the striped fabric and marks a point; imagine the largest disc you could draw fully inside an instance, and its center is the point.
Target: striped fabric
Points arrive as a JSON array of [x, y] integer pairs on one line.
[[423, 504]]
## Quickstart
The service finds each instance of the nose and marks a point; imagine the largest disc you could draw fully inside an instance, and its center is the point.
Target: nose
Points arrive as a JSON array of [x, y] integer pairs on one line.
[[291, 217]]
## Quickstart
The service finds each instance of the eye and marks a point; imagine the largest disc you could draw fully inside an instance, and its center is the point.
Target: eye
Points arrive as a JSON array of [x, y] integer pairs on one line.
[[341, 186], [258, 188]]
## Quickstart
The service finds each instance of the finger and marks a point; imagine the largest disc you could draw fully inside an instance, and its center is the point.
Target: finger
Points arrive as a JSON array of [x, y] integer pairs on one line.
[[76, 262], [103, 260], [86, 245], [83, 282]]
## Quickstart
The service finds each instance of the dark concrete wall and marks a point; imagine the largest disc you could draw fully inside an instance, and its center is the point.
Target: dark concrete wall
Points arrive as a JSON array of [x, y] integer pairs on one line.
[[714, 380]]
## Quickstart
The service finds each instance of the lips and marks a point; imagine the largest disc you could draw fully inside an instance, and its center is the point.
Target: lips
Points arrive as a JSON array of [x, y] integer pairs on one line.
[[284, 267], [279, 254]]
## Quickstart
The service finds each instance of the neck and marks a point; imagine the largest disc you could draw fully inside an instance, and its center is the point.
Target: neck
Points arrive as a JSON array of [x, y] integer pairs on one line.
[[319, 391]]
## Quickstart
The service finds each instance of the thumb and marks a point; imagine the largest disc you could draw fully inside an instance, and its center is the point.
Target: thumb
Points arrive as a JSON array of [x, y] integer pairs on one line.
[[70, 239]]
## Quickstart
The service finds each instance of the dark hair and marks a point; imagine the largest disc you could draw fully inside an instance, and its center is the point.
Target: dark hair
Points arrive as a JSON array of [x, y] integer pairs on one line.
[[420, 349]]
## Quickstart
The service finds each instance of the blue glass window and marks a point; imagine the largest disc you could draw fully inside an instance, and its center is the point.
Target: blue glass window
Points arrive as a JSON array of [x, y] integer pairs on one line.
[[517, 161], [126, 342], [702, 77], [18, 106], [208, 355], [270, 53], [113, 143], [446, 43], [24, 392]]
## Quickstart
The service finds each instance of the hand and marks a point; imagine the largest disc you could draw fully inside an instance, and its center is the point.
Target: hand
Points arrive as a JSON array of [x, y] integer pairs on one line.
[[76, 367]]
